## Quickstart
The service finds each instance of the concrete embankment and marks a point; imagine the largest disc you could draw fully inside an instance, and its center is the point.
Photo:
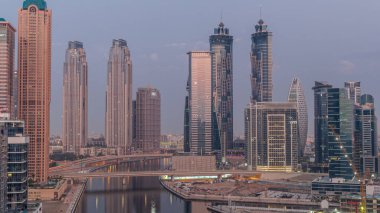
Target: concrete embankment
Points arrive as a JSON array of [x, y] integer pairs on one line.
[[77, 197]]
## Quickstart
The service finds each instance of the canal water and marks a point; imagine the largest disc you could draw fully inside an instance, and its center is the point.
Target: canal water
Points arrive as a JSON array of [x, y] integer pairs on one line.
[[134, 194]]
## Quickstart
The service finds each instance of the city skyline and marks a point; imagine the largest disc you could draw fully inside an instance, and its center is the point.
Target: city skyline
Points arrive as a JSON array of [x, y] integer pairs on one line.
[[351, 62]]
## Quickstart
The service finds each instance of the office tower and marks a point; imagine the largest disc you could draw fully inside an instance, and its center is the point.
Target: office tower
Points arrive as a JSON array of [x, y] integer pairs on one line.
[[148, 119], [261, 60], [320, 122], [119, 98], [3, 169], [200, 102], [186, 127], [34, 74], [272, 136], [17, 193], [297, 95], [15, 95], [7, 55], [75, 98], [134, 123], [340, 133], [221, 45], [365, 146], [353, 90]]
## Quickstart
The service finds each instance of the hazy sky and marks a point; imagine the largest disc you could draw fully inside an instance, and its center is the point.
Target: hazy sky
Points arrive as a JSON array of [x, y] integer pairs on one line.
[[332, 40]]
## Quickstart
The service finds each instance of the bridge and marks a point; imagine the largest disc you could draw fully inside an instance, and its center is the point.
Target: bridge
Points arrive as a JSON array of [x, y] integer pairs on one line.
[[160, 173], [85, 164]]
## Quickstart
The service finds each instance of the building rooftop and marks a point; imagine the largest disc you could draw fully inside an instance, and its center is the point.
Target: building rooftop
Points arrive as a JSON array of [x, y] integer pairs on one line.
[[2, 19], [41, 4]]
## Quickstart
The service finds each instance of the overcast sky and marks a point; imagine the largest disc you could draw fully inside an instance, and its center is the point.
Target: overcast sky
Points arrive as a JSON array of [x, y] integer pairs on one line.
[[332, 40]]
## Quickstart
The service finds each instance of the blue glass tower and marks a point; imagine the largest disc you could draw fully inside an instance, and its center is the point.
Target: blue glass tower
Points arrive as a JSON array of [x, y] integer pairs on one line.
[[221, 45], [340, 134], [261, 61], [320, 122]]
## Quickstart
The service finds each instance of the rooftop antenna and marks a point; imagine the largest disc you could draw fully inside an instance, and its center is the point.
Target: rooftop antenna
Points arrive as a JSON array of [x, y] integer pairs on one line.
[[221, 16], [261, 7]]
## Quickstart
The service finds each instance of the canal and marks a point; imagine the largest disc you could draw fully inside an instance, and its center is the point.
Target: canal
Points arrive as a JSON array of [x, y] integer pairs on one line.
[[134, 194]]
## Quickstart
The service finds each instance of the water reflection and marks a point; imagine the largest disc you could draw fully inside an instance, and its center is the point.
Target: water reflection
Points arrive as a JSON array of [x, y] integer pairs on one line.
[[134, 194]]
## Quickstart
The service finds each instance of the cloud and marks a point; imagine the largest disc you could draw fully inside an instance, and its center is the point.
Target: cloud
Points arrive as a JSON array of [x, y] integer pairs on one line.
[[346, 67], [153, 56]]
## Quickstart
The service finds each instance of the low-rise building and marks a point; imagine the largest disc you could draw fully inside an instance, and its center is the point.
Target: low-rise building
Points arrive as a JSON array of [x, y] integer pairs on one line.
[[189, 162], [97, 151], [50, 191]]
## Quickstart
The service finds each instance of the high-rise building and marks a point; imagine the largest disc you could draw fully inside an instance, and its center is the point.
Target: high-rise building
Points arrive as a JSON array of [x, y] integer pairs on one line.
[[222, 89], [133, 121], [15, 95], [186, 126], [119, 98], [271, 132], [365, 146], [340, 133], [200, 99], [297, 95], [34, 74], [261, 60], [320, 122], [3, 169], [75, 98], [353, 91], [148, 119], [7, 56], [17, 193]]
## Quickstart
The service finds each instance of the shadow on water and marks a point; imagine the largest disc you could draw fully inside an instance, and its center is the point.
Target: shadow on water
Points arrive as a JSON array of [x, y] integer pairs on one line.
[[134, 194]]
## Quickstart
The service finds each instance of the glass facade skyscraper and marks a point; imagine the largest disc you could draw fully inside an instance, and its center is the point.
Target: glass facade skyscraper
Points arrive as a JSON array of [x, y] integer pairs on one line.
[[200, 95], [221, 45], [261, 61], [320, 122], [353, 90], [340, 133], [296, 95], [365, 146]]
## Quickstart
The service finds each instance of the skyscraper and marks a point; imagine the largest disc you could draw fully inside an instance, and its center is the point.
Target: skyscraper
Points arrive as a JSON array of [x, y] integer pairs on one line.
[[148, 119], [365, 146], [17, 165], [119, 98], [222, 89], [7, 56], [271, 131], [3, 169], [296, 95], [200, 99], [75, 95], [320, 122], [34, 74], [261, 60], [353, 91], [186, 126], [340, 133]]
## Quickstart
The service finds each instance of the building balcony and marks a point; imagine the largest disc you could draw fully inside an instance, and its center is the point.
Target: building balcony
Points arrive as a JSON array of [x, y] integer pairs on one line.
[[22, 191]]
